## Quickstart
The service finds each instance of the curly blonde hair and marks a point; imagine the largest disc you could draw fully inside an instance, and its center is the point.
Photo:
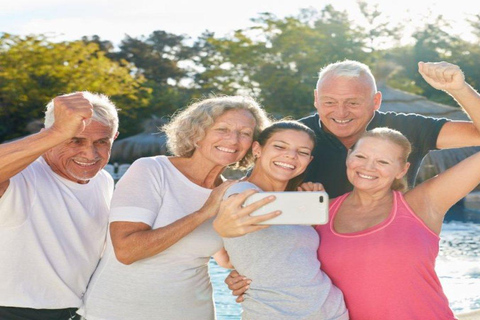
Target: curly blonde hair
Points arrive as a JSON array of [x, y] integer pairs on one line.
[[188, 126]]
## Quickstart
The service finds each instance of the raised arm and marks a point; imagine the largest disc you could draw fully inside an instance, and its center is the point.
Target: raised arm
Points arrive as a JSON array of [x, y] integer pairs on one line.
[[133, 241], [432, 199], [450, 78], [72, 112]]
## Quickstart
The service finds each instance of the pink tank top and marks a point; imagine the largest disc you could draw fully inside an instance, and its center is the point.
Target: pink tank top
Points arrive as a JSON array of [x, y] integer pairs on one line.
[[387, 271]]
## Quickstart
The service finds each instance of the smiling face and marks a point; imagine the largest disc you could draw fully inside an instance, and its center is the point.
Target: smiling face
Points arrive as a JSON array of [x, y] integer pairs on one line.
[[80, 158], [285, 155], [346, 106], [228, 139], [375, 163]]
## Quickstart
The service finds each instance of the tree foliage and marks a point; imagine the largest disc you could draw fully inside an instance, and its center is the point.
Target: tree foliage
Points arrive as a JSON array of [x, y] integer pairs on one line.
[[33, 70], [276, 60]]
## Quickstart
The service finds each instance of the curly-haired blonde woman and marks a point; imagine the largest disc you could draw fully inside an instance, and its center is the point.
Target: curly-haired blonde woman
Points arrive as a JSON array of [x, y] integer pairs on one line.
[[161, 236]]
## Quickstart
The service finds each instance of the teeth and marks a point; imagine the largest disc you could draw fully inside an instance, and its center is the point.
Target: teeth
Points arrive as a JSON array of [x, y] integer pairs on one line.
[[226, 149], [84, 164], [364, 176], [284, 165], [342, 121]]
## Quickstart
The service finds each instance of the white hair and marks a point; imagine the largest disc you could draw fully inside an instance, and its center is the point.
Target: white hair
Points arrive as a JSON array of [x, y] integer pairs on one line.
[[104, 111], [347, 69]]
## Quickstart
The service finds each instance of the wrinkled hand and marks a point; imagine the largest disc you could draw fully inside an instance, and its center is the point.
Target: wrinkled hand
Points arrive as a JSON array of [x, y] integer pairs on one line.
[[73, 112], [237, 284], [212, 205], [442, 75], [234, 220], [311, 186]]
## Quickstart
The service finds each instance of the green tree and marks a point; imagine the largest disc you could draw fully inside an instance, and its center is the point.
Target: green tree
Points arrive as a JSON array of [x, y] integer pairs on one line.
[[300, 46], [158, 59], [33, 70], [277, 60]]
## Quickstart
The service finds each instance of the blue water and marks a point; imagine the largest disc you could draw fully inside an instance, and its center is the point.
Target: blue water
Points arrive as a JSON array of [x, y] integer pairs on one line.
[[458, 267]]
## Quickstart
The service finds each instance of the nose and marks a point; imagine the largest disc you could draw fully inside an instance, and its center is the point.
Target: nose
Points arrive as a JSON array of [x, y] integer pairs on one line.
[[290, 153], [90, 152], [370, 165], [234, 136], [342, 110]]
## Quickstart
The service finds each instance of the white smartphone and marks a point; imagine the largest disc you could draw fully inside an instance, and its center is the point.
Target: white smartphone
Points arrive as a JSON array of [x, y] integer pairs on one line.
[[298, 207]]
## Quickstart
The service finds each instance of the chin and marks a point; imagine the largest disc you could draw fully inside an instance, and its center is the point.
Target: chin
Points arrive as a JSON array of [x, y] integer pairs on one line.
[[83, 176]]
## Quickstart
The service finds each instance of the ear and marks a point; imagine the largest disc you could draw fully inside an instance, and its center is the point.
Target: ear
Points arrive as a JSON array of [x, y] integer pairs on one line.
[[315, 98], [349, 152], [116, 136], [377, 100], [404, 171], [256, 149]]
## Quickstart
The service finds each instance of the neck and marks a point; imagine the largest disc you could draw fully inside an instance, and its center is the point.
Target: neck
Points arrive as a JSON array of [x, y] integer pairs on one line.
[[199, 172], [364, 198], [265, 182], [348, 142]]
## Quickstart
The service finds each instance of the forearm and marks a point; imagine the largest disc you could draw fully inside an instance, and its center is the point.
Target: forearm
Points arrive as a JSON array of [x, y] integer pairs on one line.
[[17, 155], [132, 243], [432, 199], [223, 259], [469, 99]]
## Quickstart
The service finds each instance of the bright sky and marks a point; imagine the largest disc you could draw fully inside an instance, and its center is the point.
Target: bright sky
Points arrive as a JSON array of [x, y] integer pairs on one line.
[[113, 19]]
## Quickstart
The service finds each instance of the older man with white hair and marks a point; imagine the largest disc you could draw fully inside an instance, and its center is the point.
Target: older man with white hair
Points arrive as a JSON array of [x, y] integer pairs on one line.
[[54, 205]]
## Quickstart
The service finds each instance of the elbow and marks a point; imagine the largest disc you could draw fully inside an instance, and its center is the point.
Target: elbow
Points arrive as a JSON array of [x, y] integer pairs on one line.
[[124, 256]]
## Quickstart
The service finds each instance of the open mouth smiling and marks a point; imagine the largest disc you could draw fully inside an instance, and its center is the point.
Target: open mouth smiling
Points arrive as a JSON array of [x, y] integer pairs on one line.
[[223, 149], [342, 121], [284, 165], [364, 176], [85, 164]]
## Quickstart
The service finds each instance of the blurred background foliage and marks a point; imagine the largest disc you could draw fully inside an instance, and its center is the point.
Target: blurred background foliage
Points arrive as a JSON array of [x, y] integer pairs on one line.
[[276, 61]]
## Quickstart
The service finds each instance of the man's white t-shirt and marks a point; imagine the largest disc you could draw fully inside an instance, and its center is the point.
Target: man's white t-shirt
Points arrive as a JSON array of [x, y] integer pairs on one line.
[[52, 235]]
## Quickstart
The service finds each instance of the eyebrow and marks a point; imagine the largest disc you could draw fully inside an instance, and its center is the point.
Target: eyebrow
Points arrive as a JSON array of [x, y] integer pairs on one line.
[[83, 139]]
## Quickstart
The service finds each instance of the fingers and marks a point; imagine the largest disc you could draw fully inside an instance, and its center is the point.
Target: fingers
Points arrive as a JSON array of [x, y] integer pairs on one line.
[[235, 281], [237, 202], [238, 284], [75, 104], [255, 220], [220, 190], [257, 204], [212, 205], [442, 75], [240, 292], [72, 112], [232, 274], [311, 186], [233, 219]]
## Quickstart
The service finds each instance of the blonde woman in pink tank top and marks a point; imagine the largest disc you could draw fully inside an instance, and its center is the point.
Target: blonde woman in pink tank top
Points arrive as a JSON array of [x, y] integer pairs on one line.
[[381, 243]]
